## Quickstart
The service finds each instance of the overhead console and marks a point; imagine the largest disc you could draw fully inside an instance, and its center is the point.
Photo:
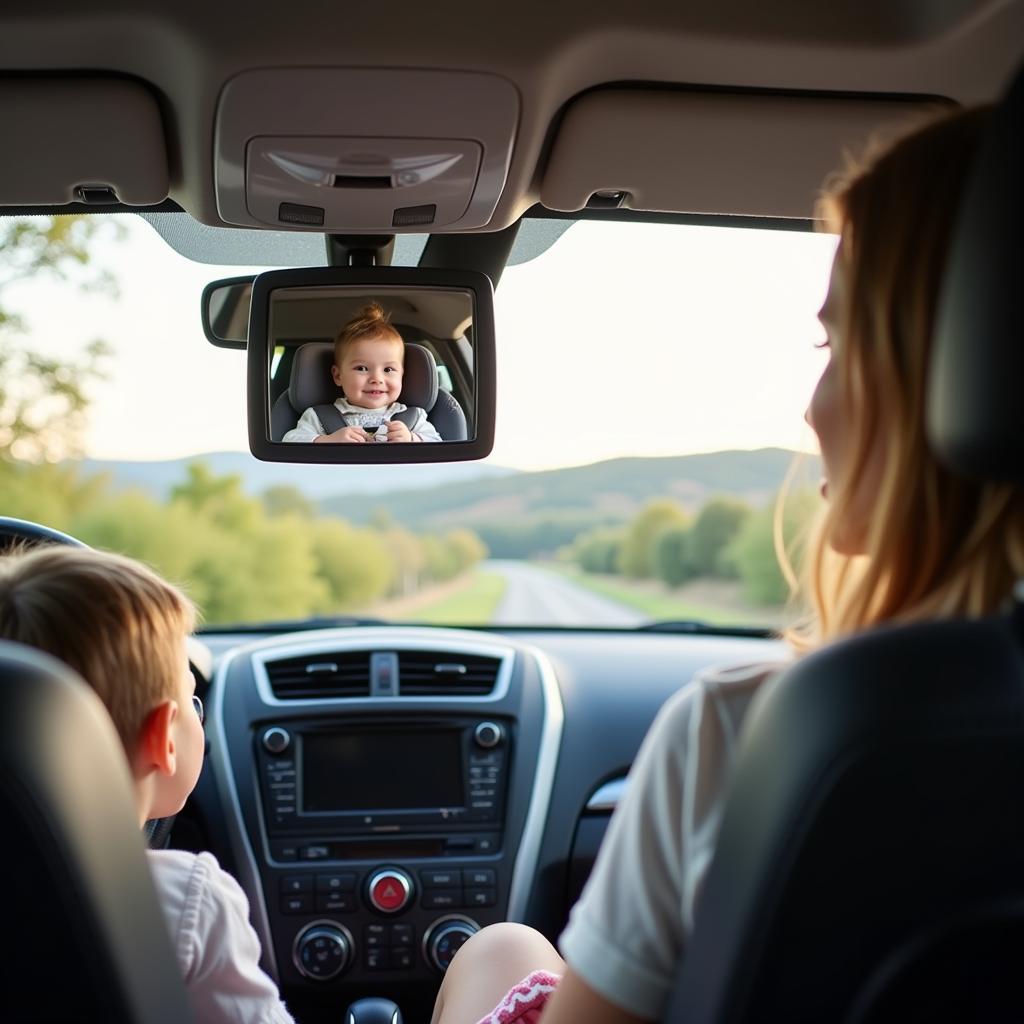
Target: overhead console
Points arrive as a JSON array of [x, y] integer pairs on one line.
[[387, 790], [363, 150]]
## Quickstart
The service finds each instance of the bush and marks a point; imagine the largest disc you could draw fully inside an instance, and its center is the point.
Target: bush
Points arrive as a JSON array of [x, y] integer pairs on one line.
[[672, 556], [718, 524], [636, 557]]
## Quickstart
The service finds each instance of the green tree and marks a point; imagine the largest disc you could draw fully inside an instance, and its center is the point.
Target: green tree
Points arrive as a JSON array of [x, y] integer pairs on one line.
[[636, 557], [718, 524], [285, 500], [354, 564], [672, 555], [754, 554], [44, 401], [597, 550]]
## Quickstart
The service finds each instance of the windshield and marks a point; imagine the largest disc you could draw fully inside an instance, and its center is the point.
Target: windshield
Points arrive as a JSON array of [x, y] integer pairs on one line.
[[652, 380]]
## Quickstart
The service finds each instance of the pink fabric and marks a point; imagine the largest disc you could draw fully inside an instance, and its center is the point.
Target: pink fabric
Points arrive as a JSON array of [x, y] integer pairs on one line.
[[524, 1002]]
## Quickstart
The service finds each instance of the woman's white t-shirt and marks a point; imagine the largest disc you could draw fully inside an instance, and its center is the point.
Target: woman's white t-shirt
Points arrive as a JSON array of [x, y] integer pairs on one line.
[[627, 933]]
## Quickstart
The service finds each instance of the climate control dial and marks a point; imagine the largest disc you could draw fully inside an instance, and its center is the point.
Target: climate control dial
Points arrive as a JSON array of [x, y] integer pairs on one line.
[[445, 937], [389, 890], [488, 734], [322, 950], [276, 740]]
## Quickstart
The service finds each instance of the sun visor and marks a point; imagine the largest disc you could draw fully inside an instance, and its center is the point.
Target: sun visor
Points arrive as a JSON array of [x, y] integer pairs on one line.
[[81, 139], [709, 153]]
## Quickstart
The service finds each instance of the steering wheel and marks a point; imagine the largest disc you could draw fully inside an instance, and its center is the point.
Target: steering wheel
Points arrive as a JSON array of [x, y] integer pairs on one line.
[[15, 531], [21, 531]]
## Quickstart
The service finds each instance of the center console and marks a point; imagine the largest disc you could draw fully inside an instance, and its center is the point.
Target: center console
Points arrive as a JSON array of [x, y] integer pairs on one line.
[[378, 823]]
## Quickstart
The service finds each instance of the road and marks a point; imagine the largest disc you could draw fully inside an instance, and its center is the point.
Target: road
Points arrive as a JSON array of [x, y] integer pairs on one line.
[[539, 597]]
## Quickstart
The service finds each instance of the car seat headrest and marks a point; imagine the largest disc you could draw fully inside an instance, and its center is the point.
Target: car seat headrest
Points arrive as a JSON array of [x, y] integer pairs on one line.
[[975, 415], [311, 382]]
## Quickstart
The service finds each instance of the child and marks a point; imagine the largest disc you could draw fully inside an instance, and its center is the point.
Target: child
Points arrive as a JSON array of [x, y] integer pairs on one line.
[[900, 540], [369, 357], [124, 630]]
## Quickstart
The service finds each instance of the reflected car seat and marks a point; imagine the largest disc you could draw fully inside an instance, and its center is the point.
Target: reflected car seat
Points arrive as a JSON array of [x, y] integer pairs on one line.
[[311, 384]]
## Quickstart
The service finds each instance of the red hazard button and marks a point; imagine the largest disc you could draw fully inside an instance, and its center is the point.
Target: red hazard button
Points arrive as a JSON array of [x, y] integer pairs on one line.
[[390, 890]]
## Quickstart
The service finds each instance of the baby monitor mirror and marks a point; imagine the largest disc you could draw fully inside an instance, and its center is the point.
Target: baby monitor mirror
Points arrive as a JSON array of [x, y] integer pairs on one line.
[[373, 364]]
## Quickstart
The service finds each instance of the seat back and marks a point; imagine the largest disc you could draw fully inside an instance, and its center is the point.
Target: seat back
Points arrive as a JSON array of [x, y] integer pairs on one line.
[[84, 936], [311, 384], [876, 807]]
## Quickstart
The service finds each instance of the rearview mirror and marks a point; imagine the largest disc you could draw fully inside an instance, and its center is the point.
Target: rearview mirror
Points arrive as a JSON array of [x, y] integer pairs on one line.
[[375, 364]]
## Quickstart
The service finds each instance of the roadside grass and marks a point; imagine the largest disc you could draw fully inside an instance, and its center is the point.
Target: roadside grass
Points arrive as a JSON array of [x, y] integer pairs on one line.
[[660, 603], [474, 603]]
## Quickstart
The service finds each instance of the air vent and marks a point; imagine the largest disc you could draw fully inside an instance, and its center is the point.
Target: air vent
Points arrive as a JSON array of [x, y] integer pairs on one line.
[[321, 676], [439, 674]]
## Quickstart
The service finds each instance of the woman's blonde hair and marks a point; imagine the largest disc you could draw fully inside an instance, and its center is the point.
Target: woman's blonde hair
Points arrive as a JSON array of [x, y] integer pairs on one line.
[[115, 622], [371, 322], [938, 545]]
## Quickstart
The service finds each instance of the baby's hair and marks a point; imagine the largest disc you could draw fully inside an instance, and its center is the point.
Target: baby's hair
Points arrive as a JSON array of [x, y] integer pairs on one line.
[[371, 322], [110, 618]]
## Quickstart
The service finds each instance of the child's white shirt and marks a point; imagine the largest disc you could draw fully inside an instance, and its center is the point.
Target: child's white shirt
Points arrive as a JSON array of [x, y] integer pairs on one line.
[[309, 426], [217, 949]]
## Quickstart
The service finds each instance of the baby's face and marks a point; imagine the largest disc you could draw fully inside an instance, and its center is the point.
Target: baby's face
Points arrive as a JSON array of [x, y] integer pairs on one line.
[[370, 373]]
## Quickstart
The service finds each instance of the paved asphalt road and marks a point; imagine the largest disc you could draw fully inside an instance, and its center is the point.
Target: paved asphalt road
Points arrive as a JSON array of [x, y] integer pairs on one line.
[[539, 597]]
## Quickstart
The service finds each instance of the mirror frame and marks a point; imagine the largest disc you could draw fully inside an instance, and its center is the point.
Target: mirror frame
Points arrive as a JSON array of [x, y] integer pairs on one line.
[[260, 354], [204, 311]]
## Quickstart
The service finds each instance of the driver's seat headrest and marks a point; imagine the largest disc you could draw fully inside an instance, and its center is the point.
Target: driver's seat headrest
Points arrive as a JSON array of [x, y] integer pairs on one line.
[[975, 414], [311, 382]]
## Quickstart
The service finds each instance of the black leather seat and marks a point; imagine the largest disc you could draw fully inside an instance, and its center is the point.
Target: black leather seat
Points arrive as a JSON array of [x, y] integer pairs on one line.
[[84, 936], [870, 865], [310, 384]]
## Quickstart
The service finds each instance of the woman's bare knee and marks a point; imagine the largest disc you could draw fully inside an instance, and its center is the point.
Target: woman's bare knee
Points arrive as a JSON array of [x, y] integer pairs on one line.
[[487, 966]]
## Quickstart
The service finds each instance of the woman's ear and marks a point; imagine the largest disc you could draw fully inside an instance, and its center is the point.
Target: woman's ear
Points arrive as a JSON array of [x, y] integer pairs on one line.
[[156, 749]]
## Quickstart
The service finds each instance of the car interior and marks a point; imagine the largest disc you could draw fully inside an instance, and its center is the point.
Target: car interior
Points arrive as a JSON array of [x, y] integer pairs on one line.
[[380, 790]]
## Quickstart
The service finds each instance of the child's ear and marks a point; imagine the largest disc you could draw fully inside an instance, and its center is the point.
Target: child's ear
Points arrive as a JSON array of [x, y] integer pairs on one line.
[[156, 748], [336, 374]]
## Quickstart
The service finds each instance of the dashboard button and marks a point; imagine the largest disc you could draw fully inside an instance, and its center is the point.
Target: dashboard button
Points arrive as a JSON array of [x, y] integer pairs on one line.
[[389, 890], [481, 897], [276, 740], [376, 958], [402, 935], [315, 852], [344, 882], [336, 901], [375, 935], [486, 844], [440, 879], [299, 904], [479, 878], [402, 959], [297, 883], [442, 899]]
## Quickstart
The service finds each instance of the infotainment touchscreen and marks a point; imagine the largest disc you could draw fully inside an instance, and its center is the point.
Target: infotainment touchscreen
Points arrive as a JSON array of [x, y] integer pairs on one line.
[[381, 771]]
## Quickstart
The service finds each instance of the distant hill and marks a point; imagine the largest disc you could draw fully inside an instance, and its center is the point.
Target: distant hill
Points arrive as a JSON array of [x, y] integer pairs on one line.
[[317, 482], [611, 491]]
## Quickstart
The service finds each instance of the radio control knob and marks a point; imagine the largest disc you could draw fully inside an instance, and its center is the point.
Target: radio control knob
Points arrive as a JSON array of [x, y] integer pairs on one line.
[[445, 938], [322, 950], [488, 734], [276, 740], [389, 890]]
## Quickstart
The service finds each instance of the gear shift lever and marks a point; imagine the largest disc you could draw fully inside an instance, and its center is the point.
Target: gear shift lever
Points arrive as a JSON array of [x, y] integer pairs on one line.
[[373, 1011]]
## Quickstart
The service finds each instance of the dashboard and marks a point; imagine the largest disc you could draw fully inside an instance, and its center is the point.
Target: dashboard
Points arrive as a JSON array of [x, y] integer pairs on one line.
[[381, 793]]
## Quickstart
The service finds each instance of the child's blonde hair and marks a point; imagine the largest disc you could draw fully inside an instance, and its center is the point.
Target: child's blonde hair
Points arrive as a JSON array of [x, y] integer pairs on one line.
[[938, 545], [114, 621], [371, 322]]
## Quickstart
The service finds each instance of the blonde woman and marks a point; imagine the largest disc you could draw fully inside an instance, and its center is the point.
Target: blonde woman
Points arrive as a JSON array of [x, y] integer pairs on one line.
[[900, 539]]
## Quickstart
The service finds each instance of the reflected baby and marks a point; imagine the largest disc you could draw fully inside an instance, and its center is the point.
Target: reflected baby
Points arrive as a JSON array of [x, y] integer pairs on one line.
[[369, 362]]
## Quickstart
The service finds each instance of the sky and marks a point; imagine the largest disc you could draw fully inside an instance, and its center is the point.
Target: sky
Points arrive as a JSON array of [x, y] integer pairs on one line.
[[622, 339]]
